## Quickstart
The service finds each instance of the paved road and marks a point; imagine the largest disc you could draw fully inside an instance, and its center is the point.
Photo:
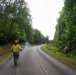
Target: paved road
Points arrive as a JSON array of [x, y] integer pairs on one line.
[[33, 61]]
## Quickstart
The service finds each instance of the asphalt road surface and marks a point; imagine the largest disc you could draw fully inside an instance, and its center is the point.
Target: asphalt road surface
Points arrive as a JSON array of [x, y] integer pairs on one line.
[[33, 61]]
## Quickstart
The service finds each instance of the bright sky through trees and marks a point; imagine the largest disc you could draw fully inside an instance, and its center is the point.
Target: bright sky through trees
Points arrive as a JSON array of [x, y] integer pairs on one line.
[[45, 14]]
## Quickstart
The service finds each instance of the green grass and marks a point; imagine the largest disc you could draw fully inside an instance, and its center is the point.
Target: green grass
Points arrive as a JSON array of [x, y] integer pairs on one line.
[[5, 53], [5, 57], [4, 49], [54, 52]]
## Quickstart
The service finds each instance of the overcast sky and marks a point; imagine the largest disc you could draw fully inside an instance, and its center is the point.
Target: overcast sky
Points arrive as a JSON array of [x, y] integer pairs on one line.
[[45, 14]]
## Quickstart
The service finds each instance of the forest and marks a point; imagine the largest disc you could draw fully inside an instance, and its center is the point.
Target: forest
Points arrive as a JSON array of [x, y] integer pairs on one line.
[[65, 34], [16, 23]]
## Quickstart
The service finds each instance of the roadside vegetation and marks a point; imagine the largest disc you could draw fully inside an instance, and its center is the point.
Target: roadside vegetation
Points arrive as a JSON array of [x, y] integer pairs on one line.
[[53, 51], [5, 53], [65, 34]]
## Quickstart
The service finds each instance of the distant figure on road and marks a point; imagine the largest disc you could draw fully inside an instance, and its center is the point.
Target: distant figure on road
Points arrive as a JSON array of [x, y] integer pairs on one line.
[[15, 49], [27, 44]]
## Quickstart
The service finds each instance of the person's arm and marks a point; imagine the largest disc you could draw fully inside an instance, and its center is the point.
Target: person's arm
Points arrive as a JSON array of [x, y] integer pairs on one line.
[[20, 47], [12, 48]]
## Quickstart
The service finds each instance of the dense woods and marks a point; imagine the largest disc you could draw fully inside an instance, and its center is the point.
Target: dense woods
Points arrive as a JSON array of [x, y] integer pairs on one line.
[[16, 23], [65, 34]]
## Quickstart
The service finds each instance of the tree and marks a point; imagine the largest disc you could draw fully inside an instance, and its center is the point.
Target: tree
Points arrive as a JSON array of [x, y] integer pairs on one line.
[[65, 34], [14, 17]]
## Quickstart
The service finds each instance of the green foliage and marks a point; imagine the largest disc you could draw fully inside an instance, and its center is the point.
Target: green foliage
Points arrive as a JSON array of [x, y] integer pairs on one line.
[[14, 16], [65, 34], [22, 36], [15, 23], [73, 52], [39, 38]]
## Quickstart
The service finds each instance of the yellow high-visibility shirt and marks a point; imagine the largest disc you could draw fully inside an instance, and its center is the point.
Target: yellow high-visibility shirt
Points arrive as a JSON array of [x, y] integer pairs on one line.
[[16, 48]]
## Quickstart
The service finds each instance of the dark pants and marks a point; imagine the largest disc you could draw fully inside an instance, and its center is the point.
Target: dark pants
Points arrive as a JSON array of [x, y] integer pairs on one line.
[[16, 55]]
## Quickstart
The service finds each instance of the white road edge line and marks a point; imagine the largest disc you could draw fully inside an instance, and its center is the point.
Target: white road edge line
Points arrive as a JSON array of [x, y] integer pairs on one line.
[[42, 69]]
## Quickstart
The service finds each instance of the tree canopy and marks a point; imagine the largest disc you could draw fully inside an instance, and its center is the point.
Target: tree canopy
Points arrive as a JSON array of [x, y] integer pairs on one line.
[[16, 22], [65, 34]]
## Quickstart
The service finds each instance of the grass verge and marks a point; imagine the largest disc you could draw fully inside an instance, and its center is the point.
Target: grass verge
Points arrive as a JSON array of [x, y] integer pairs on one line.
[[5, 53], [5, 57], [65, 58]]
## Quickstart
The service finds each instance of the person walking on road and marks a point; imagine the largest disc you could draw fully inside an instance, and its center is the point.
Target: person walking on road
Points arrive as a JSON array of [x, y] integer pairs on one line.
[[15, 49]]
